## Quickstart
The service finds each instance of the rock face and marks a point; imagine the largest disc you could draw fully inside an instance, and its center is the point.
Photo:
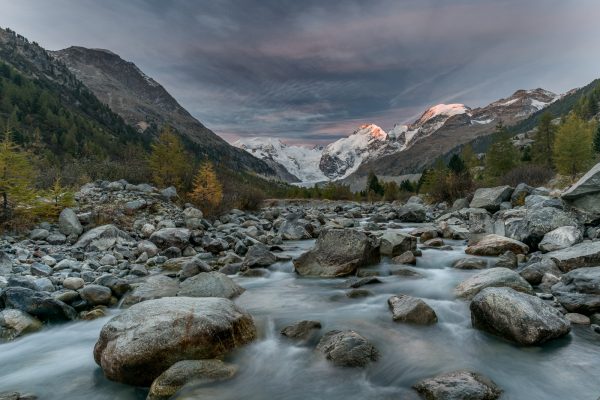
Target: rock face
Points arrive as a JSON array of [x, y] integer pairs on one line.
[[210, 284], [495, 245], [338, 252], [412, 212], [293, 230], [585, 194], [458, 385], [518, 317], [347, 349], [560, 238], [538, 221], [493, 277], [579, 290], [68, 223], [586, 254], [258, 256], [183, 372], [138, 345], [535, 271], [412, 310], [491, 198], [154, 287], [396, 243]]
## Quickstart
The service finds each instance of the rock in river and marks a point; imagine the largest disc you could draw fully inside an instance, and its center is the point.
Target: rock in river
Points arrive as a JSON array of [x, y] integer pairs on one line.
[[210, 284], [396, 243], [579, 290], [183, 372], [39, 304], [518, 317], [141, 343], [494, 245], [412, 310], [458, 385], [493, 277], [338, 252], [347, 349]]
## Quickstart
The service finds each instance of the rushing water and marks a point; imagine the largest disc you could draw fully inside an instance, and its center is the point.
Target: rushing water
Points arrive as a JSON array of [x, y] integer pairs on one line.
[[57, 363]]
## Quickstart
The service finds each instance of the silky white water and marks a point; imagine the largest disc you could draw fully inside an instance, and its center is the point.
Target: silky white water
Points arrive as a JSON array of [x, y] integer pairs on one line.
[[57, 362]]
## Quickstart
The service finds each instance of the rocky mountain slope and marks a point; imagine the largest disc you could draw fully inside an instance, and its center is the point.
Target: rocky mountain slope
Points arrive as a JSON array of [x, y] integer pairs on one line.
[[405, 149], [146, 105]]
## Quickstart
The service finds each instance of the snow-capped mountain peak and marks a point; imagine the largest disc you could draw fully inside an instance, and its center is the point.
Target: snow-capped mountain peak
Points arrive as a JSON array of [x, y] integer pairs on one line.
[[445, 110], [345, 155], [299, 161]]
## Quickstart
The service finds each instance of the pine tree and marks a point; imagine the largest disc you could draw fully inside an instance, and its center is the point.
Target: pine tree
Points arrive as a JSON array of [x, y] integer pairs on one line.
[[373, 184], [16, 178], [597, 140], [573, 145], [456, 165], [544, 141], [500, 158], [469, 157], [207, 191], [168, 160]]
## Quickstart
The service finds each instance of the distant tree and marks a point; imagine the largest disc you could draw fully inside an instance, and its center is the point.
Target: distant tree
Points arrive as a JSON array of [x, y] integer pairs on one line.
[[168, 161], [469, 157], [373, 184], [573, 145], [500, 158], [541, 151], [56, 198], [16, 177], [391, 191], [207, 191], [456, 165], [597, 140], [407, 186]]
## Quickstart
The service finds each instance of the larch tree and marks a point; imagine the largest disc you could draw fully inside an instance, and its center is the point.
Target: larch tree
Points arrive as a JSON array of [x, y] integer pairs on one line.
[[16, 177], [542, 148], [207, 191], [573, 145], [168, 161]]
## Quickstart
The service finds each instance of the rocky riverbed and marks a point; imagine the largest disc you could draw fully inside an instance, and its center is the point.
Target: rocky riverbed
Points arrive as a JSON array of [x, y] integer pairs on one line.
[[133, 295]]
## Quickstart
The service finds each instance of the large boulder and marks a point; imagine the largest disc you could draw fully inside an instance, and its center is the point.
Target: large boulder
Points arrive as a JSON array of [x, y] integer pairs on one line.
[[495, 245], [337, 252], [412, 212], [293, 230], [493, 277], [171, 237], [258, 256], [412, 310], [184, 372], [103, 238], [68, 223], [516, 316], [14, 323], [39, 304], [347, 349], [579, 290], [585, 194], [537, 222], [139, 344], [154, 287], [491, 198], [560, 238], [586, 254], [534, 271], [210, 284], [395, 243], [458, 385]]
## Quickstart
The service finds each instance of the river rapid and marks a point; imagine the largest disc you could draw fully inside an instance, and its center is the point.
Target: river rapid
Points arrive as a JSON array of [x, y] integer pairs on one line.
[[57, 363]]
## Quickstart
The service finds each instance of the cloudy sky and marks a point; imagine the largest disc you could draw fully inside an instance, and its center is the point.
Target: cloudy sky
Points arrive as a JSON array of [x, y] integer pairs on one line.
[[311, 71]]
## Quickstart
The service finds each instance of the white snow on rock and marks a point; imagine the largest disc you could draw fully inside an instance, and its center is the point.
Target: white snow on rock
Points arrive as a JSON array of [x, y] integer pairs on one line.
[[302, 162]]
